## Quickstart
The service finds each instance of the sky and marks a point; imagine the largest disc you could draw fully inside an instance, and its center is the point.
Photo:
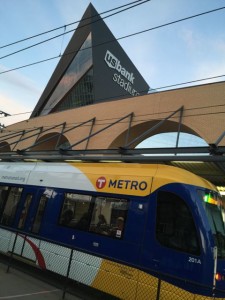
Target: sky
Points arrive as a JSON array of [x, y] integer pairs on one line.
[[185, 51]]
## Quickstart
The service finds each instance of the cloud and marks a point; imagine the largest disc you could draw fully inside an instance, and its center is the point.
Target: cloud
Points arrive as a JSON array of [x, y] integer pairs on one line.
[[219, 44], [204, 55], [192, 40], [20, 81], [188, 37], [18, 96]]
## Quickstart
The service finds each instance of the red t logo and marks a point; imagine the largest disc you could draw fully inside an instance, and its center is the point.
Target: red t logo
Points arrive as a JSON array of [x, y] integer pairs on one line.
[[101, 182]]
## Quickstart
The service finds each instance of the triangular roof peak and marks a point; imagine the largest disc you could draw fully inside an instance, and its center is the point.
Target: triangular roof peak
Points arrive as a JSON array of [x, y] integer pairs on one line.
[[93, 68]]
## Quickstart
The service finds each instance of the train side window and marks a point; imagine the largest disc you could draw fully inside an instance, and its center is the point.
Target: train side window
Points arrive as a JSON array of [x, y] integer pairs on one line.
[[108, 217], [3, 197], [25, 210], [10, 206], [39, 214], [175, 226], [76, 211]]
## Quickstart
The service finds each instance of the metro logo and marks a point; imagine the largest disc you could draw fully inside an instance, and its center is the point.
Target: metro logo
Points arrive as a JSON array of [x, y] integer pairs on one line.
[[101, 182], [123, 185], [114, 63]]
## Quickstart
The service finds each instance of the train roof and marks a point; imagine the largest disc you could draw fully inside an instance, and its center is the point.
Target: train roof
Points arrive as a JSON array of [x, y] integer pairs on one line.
[[116, 178]]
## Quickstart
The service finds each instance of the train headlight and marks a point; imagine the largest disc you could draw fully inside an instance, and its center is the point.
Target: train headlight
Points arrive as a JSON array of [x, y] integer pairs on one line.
[[219, 277]]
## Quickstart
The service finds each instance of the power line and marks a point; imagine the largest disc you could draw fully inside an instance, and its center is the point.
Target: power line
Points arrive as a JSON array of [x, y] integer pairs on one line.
[[69, 24], [174, 22], [168, 86], [31, 64], [63, 34], [126, 36], [187, 82]]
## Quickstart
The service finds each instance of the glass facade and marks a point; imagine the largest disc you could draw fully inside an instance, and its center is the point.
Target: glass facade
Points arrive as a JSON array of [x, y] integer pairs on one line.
[[78, 71], [81, 94]]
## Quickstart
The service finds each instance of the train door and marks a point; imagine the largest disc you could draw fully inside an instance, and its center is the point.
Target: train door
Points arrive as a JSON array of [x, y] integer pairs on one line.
[[172, 243]]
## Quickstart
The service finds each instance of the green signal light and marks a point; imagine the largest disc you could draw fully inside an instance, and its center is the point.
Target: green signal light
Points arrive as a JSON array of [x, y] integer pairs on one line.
[[210, 199], [206, 198]]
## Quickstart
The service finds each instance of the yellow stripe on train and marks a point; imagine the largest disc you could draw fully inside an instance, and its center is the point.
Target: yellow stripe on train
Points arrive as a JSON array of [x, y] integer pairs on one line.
[[136, 179], [129, 283]]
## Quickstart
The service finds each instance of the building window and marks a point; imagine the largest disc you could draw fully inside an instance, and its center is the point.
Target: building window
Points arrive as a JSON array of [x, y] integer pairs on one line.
[[175, 225]]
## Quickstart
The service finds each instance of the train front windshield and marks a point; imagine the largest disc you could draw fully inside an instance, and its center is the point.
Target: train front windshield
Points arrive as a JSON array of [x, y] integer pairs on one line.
[[216, 216]]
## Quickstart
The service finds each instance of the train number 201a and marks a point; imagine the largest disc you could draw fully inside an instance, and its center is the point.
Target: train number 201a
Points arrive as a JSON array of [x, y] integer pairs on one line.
[[194, 260]]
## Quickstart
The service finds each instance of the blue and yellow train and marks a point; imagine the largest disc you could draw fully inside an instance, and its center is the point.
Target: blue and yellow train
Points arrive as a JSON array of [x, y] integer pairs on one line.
[[138, 231]]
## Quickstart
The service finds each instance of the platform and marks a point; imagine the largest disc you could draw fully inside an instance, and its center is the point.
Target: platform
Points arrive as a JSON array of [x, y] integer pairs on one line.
[[17, 285]]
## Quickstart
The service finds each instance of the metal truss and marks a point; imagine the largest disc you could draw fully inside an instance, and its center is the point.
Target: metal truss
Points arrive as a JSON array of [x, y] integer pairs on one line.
[[204, 154]]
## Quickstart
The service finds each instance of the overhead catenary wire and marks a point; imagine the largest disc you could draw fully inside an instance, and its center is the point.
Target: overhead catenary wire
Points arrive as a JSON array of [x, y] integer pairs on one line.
[[186, 82], [69, 31], [116, 39], [67, 25], [162, 87]]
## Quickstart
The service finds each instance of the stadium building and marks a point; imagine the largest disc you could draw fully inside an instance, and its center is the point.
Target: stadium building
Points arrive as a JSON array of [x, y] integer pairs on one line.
[[94, 68]]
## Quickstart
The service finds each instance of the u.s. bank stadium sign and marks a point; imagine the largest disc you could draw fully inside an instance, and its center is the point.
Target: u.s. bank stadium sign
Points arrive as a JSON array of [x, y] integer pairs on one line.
[[122, 77]]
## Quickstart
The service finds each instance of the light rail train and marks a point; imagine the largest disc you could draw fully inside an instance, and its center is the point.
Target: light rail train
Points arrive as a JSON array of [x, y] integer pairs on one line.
[[137, 231]]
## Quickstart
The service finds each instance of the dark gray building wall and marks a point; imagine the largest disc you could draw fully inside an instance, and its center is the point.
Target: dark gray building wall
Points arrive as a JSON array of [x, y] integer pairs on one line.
[[109, 83]]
